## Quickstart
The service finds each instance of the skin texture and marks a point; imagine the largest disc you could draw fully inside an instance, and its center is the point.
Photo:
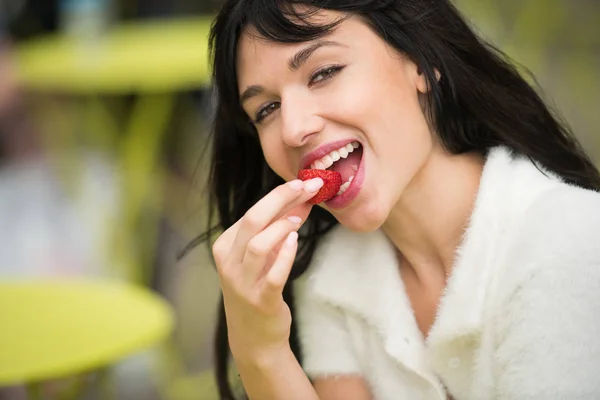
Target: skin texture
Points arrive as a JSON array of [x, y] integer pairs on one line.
[[354, 88]]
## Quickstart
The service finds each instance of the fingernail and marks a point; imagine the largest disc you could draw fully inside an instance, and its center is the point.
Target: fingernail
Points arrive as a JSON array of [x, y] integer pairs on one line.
[[295, 219], [296, 184], [291, 239], [313, 185]]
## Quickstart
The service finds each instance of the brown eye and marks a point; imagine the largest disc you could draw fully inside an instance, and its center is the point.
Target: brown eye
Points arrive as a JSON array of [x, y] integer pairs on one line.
[[324, 74], [265, 111]]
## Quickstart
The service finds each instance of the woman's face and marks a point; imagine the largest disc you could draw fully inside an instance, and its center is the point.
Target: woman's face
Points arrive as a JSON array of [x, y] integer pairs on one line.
[[313, 102]]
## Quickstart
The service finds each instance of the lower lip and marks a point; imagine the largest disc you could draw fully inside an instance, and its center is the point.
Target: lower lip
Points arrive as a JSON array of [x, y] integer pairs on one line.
[[342, 200]]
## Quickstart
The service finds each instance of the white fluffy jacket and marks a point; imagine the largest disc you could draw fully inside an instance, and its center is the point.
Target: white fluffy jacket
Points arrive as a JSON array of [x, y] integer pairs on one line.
[[520, 317]]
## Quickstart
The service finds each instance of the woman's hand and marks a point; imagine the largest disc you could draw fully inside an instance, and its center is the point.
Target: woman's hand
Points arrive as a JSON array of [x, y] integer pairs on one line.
[[254, 258]]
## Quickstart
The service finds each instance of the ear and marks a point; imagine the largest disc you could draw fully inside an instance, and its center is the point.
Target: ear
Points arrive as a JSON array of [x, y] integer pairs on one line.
[[421, 80]]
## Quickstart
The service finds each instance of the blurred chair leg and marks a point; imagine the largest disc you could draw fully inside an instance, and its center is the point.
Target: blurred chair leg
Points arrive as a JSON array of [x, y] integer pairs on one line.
[[76, 388], [106, 384], [34, 391], [68, 390], [139, 161]]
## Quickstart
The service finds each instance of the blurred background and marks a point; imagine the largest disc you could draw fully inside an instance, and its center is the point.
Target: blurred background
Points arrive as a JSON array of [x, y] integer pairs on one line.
[[104, 111]]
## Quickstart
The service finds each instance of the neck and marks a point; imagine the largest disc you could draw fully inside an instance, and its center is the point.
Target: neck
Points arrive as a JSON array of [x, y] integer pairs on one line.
[[427, 224]]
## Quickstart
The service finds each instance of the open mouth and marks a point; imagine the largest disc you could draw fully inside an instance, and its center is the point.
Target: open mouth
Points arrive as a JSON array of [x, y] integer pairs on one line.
[[344, 160]]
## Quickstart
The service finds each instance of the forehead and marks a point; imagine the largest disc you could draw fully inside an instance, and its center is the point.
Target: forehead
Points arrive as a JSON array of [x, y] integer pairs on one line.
[[257, 54]]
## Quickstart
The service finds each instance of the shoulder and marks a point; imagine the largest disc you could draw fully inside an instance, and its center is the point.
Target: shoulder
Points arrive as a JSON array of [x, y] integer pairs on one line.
[[575, 203], [531, 216], [563, 224], [553, 252], [548, 321], [531, 228]]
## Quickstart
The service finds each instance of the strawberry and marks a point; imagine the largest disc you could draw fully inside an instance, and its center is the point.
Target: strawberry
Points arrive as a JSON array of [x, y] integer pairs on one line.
[[332, 180]]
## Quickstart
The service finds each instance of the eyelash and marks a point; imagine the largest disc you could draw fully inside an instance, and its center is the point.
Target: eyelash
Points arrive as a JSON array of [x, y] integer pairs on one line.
[[327, 72]]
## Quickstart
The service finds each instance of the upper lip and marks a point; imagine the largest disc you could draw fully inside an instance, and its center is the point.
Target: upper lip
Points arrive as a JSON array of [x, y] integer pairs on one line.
[[322, 151]]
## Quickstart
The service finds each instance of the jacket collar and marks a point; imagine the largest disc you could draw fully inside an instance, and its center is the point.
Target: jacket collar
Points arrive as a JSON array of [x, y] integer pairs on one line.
[[358, 272]]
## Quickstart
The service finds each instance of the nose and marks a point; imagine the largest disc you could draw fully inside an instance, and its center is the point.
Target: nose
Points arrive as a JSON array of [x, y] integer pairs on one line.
[[300, 121]]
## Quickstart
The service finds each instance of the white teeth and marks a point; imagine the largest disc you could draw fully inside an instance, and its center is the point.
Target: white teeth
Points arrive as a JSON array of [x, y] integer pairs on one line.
[[345, 186], [334, 156]]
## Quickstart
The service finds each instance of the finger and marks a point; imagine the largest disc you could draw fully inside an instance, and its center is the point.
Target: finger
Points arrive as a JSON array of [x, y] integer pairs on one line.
[[263, 245], [277, 276], [273, 206], [302, 211], [222, 248], [225, 242]]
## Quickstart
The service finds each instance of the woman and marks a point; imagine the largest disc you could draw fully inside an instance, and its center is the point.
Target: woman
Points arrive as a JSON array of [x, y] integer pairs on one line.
[[460, 262]]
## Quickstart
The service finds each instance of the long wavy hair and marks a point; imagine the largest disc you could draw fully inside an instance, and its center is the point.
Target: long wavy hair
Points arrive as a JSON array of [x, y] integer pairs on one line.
[[481, 101]]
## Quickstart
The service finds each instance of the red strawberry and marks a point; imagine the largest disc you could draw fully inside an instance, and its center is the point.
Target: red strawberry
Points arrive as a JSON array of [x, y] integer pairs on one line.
[[332, 180]]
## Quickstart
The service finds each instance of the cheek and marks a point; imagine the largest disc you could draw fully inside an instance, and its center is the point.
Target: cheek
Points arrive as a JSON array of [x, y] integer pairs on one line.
[[354, 100], [375, 97], [276, 159]]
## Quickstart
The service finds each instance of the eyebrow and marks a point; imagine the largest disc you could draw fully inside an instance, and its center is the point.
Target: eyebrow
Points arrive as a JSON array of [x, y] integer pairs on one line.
[[294, 64]]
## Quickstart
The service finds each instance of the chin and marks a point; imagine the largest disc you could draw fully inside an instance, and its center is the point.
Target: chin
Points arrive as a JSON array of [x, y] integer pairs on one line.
[[363, 219]]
